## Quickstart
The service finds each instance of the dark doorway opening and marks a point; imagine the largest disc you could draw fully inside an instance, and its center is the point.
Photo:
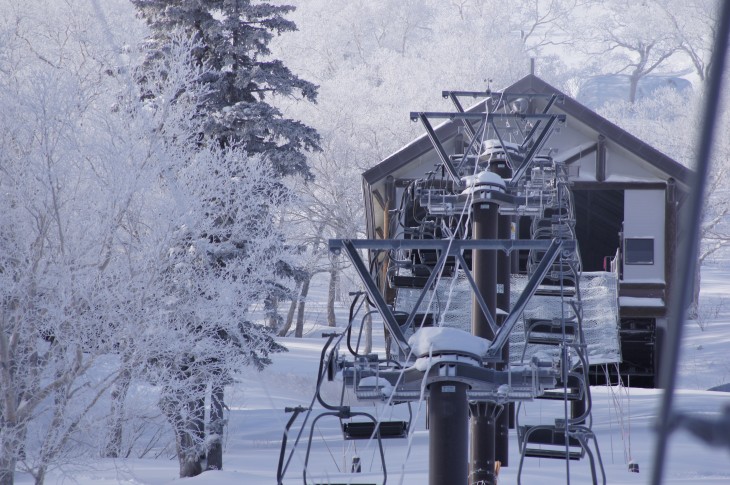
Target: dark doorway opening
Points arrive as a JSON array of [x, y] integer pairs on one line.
[[599, 217]]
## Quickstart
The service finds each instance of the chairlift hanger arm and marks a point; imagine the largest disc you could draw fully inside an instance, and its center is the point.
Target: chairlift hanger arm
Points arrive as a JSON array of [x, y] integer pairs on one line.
[[280, 470], [337, 415]]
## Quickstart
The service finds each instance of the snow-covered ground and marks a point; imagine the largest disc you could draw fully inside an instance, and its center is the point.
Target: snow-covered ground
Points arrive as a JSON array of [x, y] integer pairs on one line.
[[623, 421]]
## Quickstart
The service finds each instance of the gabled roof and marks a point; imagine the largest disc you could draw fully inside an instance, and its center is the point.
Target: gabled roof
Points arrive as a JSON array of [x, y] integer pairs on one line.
[[571, 107]]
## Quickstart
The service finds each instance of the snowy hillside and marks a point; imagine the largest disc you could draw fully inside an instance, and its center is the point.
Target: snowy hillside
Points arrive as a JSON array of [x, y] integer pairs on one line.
[[623, 421]]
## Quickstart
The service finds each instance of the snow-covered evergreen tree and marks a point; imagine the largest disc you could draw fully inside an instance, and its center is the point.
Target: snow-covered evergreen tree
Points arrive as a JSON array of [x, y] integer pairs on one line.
[[232, 50], [234, 37]]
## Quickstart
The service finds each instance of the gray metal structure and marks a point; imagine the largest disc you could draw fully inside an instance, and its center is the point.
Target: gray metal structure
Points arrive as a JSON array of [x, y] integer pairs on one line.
[[451, 226], [613, 174], [438, 242]]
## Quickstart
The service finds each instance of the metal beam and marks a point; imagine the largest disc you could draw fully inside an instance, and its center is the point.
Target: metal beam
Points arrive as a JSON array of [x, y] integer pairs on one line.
[[476, 136], [501, 142], [460, 109], [601, 159], [494, 94], [453, 247], [375, 296], [549, 105], [520, 172], [477, 294], [450, 115], [440, 150], [495, 350], [689, 245], [435, 272]]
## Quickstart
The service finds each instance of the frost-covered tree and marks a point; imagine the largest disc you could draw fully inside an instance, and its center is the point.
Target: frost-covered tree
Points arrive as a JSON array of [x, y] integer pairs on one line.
[[234, 38], [694, 23], [238, 76], [66, 195], [128, 247], [632, 38]]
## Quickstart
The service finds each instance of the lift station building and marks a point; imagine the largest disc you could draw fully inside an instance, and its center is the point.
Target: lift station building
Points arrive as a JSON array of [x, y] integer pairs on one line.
[[627, 196]]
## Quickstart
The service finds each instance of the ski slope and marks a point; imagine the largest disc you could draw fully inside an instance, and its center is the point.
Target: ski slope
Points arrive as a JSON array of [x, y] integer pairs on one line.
[[623, 421]]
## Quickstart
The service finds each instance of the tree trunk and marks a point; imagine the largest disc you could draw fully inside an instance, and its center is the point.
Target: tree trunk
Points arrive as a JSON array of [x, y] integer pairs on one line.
[[694, 308], [299, 331], [271, 309], [113, 445], [185, 410], [331, 295], [191, 439], [7, 457], [40, 475], [215, 430], [290, 315], [12, 441], [633, 87]]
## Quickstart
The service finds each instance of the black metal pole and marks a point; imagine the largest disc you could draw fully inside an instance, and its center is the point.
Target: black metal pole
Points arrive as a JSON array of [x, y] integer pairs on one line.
[[683, 279], [504, 263], [448, 417], [484, 269], [515, 264], [504, 271]]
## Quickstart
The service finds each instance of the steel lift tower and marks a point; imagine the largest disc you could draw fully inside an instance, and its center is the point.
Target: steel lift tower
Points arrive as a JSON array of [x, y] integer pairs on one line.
[[455, 228]]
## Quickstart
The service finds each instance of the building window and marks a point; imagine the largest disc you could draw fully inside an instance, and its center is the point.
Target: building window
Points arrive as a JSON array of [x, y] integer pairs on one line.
[[639, 251]]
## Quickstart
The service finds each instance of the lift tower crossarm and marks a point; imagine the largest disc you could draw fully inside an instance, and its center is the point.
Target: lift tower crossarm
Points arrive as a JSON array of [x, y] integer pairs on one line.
[[447, 248], [425, 117], [497, 94]]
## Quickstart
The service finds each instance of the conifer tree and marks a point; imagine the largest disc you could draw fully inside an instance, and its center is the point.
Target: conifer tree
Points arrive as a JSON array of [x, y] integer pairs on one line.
[[240, 77], [235, 36]]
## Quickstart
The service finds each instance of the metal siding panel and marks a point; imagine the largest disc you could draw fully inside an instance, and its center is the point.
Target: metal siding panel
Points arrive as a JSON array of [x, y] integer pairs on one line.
[[644, 217]]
